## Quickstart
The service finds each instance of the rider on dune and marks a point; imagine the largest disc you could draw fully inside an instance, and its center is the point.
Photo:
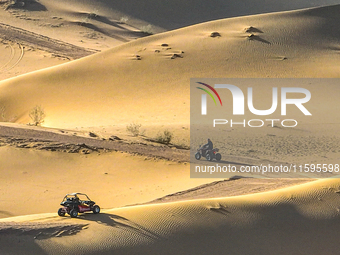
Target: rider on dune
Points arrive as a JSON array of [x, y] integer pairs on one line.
[[208, 146]]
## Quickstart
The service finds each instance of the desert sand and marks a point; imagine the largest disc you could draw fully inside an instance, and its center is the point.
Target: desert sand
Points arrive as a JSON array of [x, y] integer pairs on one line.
[[95, 67], [304, 218], [290, 44]]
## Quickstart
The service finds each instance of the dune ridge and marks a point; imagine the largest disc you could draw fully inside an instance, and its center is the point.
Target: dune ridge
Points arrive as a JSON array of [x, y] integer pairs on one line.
[[176, 14], [238, 225], [301, 44]]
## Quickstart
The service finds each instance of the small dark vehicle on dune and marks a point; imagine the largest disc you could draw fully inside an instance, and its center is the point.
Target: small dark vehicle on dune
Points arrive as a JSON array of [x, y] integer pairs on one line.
[[208, 154], [75, 203]]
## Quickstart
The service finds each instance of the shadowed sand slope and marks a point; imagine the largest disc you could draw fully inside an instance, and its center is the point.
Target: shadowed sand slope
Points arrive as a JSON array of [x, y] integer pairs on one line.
[[251, 224], [153, 73], [82, 23], [177, 13], [102, 24]]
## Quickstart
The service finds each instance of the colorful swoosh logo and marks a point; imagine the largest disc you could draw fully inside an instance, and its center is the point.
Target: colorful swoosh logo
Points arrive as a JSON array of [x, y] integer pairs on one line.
[[212, 89]]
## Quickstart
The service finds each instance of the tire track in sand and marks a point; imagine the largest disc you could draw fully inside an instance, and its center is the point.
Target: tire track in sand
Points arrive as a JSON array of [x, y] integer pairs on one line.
[[19, 58], [11, 57], [15, 57], [57, 47]]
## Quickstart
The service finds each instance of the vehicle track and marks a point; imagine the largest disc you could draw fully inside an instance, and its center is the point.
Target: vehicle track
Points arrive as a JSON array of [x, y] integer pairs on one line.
[[11, 57], [15, 57], [24, 37], [19, 58]]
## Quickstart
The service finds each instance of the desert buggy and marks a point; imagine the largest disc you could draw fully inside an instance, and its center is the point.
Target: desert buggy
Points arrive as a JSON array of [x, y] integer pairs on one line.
[[75, 203]]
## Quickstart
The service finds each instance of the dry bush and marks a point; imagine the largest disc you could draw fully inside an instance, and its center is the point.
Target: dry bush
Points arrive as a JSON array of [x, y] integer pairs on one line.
[[37, 114], [164, 137], [3, 113], [123, 20], [147, 29], [134, 129]]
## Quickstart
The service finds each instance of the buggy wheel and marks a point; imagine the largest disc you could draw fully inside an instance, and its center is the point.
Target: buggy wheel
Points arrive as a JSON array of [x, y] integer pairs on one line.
[[74, 213], [61, 212], [198, 156], [218, 156], [96, 209], [208, 156]]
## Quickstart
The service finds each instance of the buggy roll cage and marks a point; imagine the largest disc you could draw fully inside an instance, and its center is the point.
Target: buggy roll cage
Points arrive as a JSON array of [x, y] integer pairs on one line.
[[75, 195]]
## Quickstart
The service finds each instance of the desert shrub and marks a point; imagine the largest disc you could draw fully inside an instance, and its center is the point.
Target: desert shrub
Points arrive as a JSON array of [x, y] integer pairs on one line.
[[37, 114], [147, 29], [164, 137], [3, 113], [123, 20], [134, 129]]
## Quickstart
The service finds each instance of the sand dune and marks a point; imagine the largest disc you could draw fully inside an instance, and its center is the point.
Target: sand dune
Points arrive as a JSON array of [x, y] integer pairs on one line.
[[48, 33], [100, 25], [234, 186], [147, 81], [303, 218], [73, 22], [47, 163], [175, 14], [59, 48], [16, 59], [301, 44], [103, 24], [112, 179]]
